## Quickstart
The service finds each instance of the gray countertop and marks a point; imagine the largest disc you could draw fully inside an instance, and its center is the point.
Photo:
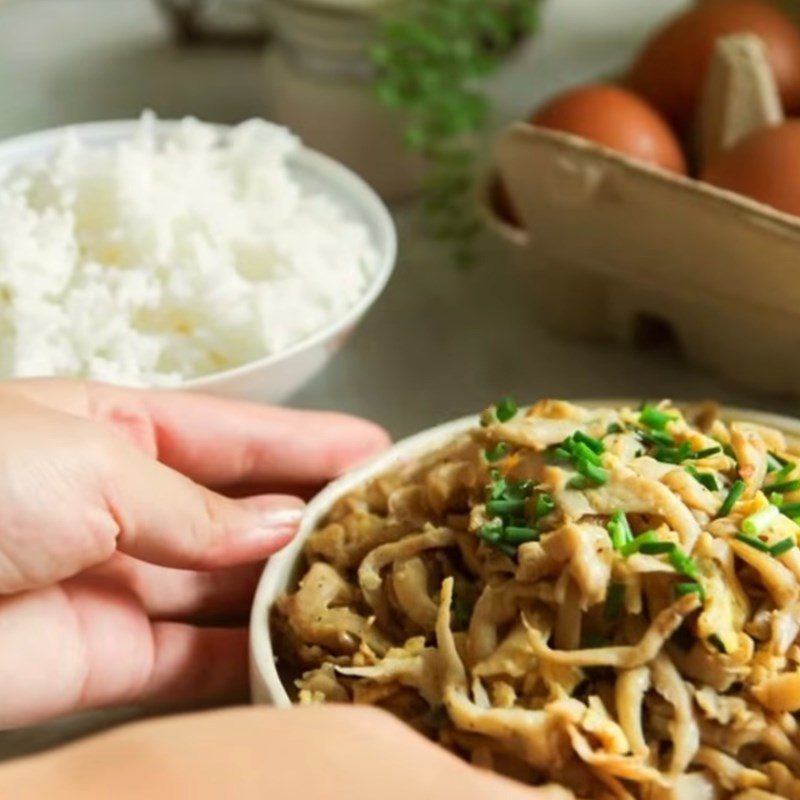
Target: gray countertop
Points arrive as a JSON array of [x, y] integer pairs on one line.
[[440, 342]]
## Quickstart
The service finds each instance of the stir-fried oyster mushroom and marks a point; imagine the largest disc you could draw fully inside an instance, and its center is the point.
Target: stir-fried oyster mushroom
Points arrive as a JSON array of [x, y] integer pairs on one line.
[[604, 599]]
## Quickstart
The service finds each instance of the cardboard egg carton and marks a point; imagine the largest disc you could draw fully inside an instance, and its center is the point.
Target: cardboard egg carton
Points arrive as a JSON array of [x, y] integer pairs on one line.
[[617, 249]]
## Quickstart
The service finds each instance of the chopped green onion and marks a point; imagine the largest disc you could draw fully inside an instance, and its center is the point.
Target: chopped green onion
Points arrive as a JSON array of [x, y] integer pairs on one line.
[[491, 531], [656, 418], [674, 455], [707, 453], [577, 482], [776, 499], [520, 535], [614, 427], [544, 505], [684, 564], [784, 472], [656, 548], [503, 507], [634, 546], [619, 530], [583, 452], [562, 454], [775, 462], [716, 642], [521, 490], [753, 541], [785, 486], [506, 549], [614, 600], [761, 520], [595, 474], [736, 491], [690, 587], [498, 452], [658, 438], [784, 546], [791, 509], [593, 444], [497, 489], [706, 479], [506, 410]]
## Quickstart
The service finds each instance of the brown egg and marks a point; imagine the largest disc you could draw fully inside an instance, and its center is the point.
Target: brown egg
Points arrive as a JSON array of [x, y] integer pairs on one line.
[[616, 118], [764, 166], [670, 72]]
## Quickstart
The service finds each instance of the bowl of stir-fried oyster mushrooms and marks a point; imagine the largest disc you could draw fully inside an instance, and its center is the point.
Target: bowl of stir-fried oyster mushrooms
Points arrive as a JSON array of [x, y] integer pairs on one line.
[[603, 598]]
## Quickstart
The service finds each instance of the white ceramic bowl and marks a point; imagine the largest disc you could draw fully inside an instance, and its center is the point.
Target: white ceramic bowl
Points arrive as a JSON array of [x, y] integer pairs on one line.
[[274, 378], [281, 572]]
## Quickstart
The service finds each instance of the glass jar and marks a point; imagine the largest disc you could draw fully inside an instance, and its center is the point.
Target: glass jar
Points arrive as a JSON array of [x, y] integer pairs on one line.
[[319, 82]]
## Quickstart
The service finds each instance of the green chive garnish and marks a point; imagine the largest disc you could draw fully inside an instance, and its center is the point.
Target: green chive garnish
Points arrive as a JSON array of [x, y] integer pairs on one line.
[[674, 455], [657, 438], [784, 546], [753, 541], [491, 531], [654, 417], [544, 505], [784, 472], [520, 535], [717, 643], [506, 409], [791, 510], [690, 587], [593, 444], [619, 530], [736, 491], [583, 452], [776, 499], [562, 454], [775, 462], [577, 482], [597, 475], [706, 479], [521, 490], [656, 548], [498, 452], [707, 453], [506, 549], [635, 546], [684, 564], [614, 427], [761, 520], [785, 487], [505, 507], [614, 600]]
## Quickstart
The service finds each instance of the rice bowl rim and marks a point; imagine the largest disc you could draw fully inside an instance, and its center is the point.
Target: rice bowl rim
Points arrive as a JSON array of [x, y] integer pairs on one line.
[[338, 183], [282, 569]]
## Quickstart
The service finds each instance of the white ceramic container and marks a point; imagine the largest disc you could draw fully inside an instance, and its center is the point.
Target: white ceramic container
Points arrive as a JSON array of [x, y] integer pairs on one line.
[[282, 570], [275, 378]]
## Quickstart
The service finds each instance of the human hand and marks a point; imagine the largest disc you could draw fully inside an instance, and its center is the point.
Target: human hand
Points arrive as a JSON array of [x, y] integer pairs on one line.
[[328, 753], [112, 550]]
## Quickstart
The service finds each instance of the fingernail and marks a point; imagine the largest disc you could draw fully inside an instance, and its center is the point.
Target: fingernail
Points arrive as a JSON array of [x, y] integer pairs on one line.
[[274, 520]]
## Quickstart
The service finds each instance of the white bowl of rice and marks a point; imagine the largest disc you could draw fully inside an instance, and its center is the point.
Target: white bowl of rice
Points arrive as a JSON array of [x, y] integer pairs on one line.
[[178, 254]]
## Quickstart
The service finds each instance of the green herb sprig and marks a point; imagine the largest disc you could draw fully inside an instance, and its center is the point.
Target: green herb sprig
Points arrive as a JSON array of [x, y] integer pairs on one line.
[[431, 58]]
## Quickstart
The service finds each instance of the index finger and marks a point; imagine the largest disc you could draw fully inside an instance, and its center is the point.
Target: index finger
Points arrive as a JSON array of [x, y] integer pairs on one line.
[[218, 442]]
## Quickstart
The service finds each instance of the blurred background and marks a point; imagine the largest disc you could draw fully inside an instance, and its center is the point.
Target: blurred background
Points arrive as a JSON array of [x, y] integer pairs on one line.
[[65, 61]]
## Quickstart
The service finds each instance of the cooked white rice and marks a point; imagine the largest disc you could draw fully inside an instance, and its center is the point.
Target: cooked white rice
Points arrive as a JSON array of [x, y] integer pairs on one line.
[[160, 259]]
